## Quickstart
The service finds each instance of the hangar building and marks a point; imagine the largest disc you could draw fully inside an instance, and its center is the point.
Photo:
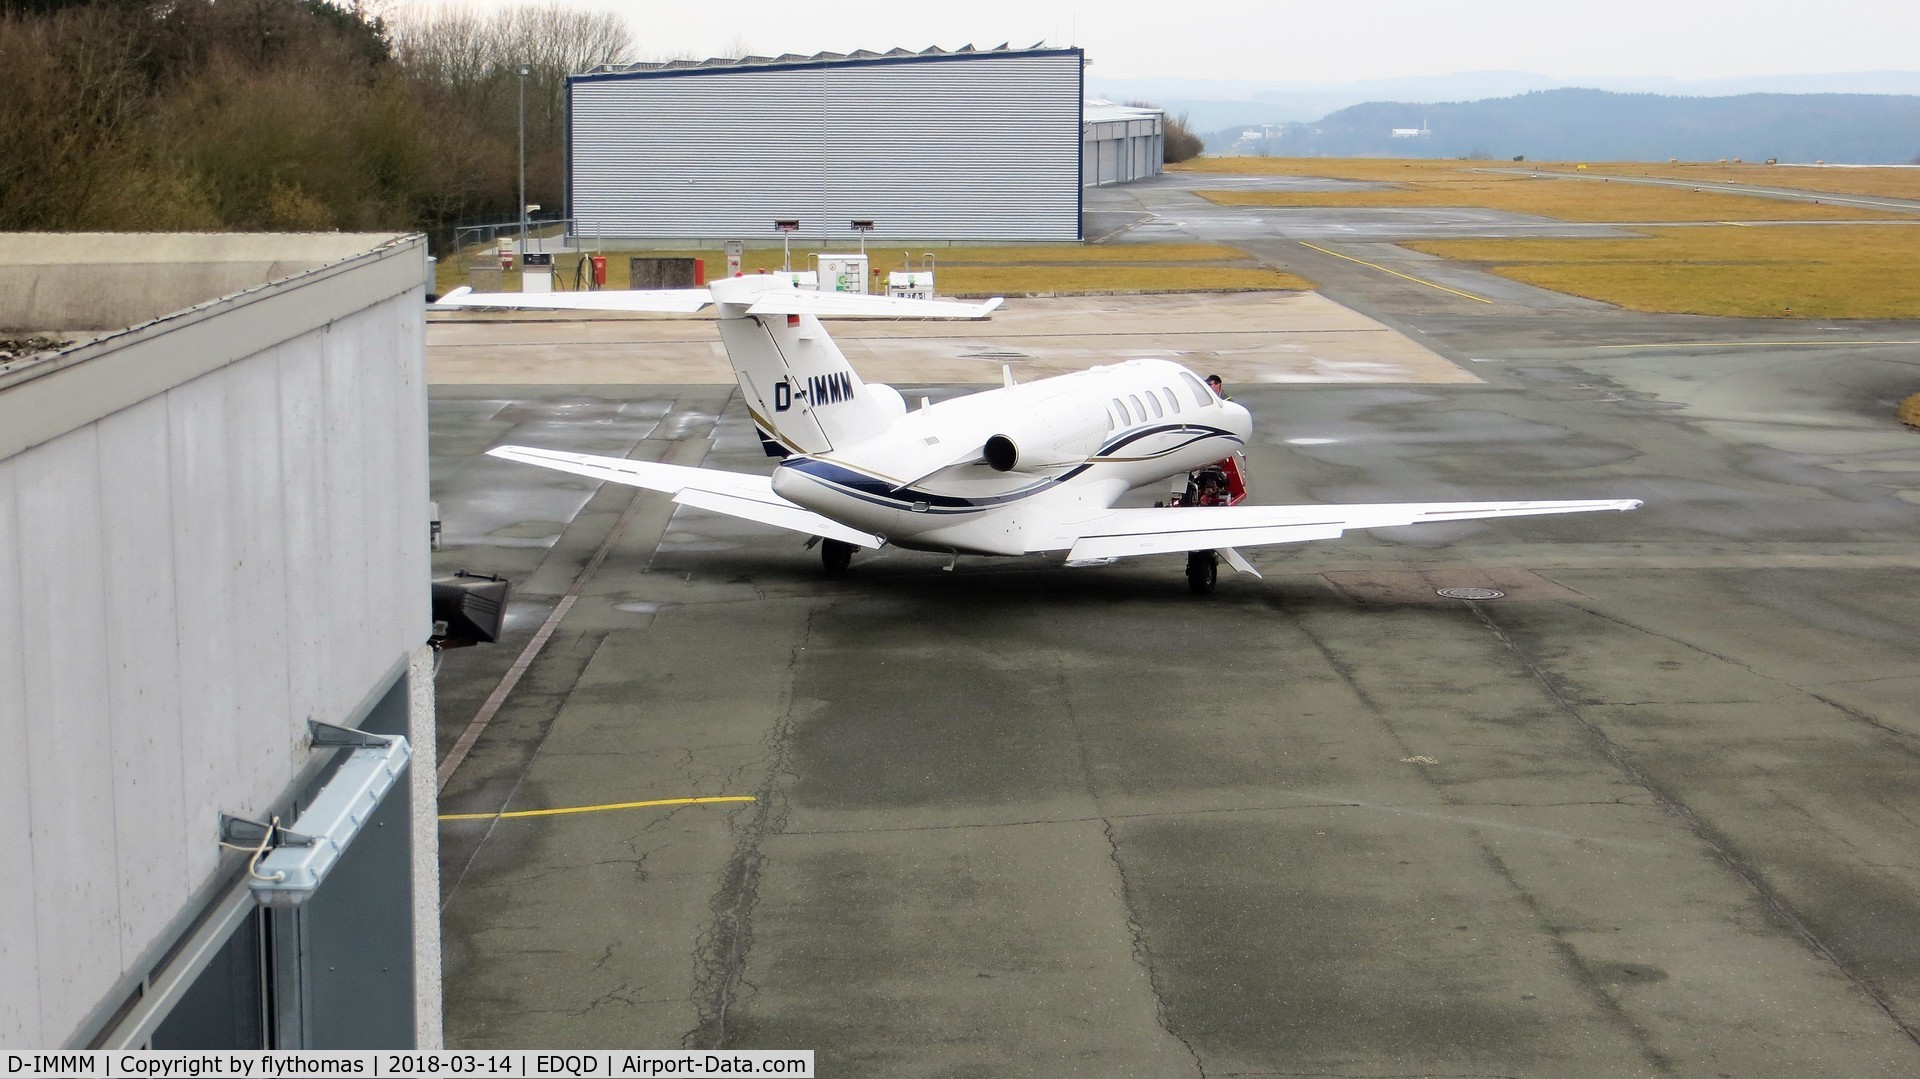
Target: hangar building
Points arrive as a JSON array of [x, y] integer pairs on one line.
[[214, 530], [936, 146], [1122, 143]]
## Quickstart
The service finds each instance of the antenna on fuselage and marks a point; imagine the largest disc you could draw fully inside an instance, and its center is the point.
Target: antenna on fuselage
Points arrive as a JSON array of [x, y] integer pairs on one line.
[[1006, 375]]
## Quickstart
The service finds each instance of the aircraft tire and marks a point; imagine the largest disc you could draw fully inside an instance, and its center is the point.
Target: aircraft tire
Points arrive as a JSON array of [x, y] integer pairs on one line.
[[836, 556], [1203, 572]]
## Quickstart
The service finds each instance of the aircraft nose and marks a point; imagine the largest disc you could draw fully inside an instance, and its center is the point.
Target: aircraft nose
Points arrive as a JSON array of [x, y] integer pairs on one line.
[[1238, 419]]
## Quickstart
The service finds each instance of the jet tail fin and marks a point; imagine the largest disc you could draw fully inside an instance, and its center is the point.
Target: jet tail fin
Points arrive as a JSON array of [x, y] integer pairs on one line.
[[802, 393]]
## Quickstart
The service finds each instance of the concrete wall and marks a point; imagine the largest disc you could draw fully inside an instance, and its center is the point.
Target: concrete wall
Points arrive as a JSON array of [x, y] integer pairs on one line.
[[212, 527], [97, 281]]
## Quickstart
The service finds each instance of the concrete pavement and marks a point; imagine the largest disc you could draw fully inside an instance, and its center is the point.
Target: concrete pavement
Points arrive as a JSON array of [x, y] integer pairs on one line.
[[1651, 813]]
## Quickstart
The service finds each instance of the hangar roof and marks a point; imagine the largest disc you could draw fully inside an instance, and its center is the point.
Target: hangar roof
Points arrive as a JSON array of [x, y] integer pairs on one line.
[[1099, 111], [818, 59]]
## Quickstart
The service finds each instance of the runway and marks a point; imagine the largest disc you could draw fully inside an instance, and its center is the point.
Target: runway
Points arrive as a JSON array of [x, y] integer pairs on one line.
[[1649, 812]]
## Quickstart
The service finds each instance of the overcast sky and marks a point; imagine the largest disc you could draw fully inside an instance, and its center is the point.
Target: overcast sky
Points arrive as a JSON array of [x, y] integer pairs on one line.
[[1320, 41]]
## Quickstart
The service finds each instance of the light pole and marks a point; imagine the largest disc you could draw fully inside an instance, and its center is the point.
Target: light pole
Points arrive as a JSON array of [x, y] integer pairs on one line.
[[523, 163]]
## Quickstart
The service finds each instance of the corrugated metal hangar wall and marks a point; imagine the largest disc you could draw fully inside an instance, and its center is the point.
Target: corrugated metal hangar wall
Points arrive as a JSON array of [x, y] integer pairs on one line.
[[927, 146]]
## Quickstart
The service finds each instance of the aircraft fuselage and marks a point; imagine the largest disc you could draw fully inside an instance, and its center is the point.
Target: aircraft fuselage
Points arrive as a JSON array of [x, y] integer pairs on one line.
[[989, 472]]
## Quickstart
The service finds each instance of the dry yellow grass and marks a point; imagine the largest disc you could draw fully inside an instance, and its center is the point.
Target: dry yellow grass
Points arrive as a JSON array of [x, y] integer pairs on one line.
[[999, 270], [1888, 182], [1085, 280], [1335, 168], [1562, 199], [1910, 411], [889, 258], [1800, 271]]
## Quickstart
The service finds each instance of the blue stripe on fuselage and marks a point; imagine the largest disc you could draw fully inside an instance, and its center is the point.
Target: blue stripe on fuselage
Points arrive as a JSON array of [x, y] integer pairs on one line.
[[882, 492]]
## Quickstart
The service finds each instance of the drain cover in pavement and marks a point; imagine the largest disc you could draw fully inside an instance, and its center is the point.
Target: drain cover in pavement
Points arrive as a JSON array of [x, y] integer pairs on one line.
[[1470, 593]]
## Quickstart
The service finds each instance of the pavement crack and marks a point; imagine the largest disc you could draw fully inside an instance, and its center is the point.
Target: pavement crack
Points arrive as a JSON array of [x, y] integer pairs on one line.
[[1136, 933], [1142, 954], [1569, 955], [1722, 848], [605, 956], [720, 952], [1907, 740], [621, 994]]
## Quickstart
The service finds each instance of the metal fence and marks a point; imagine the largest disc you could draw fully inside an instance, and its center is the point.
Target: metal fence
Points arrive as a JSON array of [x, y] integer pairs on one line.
[[471, 242]]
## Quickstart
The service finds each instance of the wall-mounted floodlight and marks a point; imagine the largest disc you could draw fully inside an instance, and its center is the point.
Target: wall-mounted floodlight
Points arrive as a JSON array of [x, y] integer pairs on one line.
[[469, 608], [291, 863]]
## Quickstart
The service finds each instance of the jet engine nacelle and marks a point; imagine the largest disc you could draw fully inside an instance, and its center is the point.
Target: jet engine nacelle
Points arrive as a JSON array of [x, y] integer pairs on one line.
[[1064, 430]]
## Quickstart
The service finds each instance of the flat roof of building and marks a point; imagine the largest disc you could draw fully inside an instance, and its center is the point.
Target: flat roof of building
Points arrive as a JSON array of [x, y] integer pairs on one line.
[[126, 315], [818, 59]]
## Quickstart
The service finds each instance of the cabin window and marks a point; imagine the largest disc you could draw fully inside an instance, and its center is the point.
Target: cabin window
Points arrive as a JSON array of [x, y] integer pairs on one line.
[[1120, 410], [1154, 403], [1138, 408], [1201, 395], [1173, 403]]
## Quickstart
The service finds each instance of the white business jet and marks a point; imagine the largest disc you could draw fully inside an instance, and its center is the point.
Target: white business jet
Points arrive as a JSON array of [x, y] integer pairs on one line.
[[1021, 469]]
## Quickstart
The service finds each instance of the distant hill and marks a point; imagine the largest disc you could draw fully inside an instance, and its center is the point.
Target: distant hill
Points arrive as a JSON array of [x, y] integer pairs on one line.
[[1575, 124], [1212, 104]]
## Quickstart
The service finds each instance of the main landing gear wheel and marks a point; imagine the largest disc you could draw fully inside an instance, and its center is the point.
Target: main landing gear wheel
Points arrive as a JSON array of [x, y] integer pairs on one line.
[[836, 556], [1203, 571]]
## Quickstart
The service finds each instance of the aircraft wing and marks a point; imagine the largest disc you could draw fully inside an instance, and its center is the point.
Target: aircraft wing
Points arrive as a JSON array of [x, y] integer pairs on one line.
[[664, 301], [861, 305], [736, 494], [1124, 532]]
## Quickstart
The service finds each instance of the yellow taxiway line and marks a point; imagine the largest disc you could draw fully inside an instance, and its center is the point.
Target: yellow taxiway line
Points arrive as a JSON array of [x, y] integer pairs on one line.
[[1396, 273], [599, 808]]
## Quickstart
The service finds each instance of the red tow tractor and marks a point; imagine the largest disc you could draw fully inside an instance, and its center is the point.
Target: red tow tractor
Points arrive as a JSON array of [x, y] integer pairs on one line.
[[1222, 483]]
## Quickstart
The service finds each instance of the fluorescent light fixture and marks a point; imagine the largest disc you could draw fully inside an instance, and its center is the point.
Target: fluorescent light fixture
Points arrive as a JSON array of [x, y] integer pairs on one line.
[[287, 874]]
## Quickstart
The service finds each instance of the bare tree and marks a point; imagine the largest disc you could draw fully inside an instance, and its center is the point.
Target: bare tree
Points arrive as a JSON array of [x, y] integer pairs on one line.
[[1178, 142], [477, 58]]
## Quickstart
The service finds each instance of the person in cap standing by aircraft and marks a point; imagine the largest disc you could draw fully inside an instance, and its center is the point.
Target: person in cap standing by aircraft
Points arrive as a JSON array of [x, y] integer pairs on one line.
[[1213, 383]]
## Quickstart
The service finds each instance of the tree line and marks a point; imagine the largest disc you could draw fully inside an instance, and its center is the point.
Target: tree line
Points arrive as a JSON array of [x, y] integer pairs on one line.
[[282, 115]]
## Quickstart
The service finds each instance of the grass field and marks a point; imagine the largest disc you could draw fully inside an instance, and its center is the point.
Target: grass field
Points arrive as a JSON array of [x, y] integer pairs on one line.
[[1007, 270], [1563, 199], [1769, 271], [1887, 182], [1333, 168]]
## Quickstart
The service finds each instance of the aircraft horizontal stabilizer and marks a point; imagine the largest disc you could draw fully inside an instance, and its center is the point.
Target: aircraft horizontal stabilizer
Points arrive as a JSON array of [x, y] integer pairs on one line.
[[1126, 532], [662, 301], [736, 494], [860, 305], [776, 299]]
